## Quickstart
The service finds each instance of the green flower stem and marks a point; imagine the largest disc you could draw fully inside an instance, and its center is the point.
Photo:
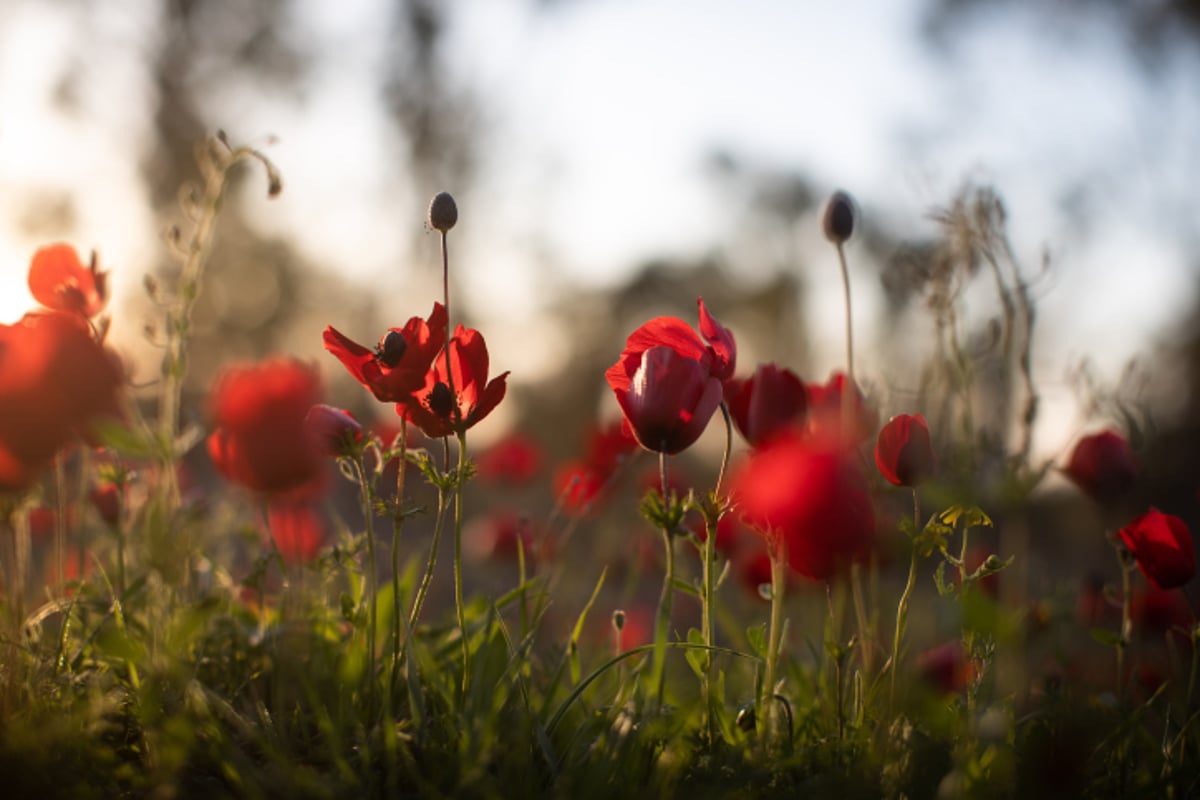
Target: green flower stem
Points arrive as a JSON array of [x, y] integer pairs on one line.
[[1126, 623], [371, 593], [216, 160], [902, 606], [458, 581], [60, 521], [712, 520], [662, 625], [439, 524], [398, 619], [774, 636]]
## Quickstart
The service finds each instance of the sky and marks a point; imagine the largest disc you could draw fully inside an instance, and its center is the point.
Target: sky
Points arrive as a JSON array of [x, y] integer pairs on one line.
[[598, 117]]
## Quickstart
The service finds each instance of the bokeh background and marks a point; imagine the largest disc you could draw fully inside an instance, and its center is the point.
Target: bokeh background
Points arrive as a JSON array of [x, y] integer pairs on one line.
[[613, 160]]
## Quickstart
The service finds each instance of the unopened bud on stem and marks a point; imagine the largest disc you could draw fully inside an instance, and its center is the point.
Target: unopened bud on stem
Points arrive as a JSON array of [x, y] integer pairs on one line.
[[443, 212], [840, 216]]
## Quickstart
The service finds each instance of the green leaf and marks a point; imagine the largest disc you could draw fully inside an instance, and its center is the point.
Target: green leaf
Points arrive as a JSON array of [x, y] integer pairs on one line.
[[1106, 637], [685, 587], [966, 517], [577, 631], [135, 443], [756, 635], [939, 580], [696, 658]]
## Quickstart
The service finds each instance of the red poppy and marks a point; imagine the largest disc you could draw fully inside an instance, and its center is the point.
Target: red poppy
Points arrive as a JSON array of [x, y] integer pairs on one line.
[[825, 409], [335, 429], [1162, 545], [297, 529], [608, 446], [261, 441], [946, 667], [577, 486], [667, 399], [56, 382], [1103, 466], [397, 366], [903, 451], [716, 352], [439, 410], [808, 494], [1156, 611], [58, 280], [515, 459], [766, 403], [106, 499]]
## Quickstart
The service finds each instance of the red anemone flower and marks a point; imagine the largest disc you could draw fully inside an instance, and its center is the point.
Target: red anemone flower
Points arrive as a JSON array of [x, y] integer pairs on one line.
[[59, 280], [716, 352], [439, 410], [766, 403], [261, 440], [335, 429], [808, 495], [296, 528], [825, 410], [398, 365], [903, 452], [667, 400], [1103, 466], [1162, 545], [513, 460], [56, 381]]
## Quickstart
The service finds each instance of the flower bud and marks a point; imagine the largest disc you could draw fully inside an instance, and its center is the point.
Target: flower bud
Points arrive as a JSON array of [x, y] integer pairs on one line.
[[618, 620], [443, 212], [840, 215]]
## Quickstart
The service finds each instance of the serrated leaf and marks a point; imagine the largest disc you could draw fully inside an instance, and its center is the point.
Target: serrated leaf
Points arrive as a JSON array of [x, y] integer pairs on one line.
[[966, 517]]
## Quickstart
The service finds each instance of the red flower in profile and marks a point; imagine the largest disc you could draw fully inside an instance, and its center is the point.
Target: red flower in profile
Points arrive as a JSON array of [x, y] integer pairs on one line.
[[903, 451], [766, 403], [297, 530], [808, 494], [1162, 545], [668, 380], [825, 409], [56, 382], [397, 366], [515, 459], [439, 410], [335, 429], [58, 280], [261, 440], [667, 399], [1103, 466]]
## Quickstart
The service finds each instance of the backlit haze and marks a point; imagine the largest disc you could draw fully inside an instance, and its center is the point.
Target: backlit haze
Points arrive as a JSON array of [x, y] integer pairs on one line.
[[599, 120]]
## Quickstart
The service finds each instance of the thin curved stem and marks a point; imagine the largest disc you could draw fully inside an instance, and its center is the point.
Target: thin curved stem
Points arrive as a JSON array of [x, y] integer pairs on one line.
[[371, 593], [902, 606], [662, 625], [458, 581]]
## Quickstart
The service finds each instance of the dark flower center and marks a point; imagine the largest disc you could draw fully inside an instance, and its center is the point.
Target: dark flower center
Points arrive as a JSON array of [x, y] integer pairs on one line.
[[441, 400], [391, 349]]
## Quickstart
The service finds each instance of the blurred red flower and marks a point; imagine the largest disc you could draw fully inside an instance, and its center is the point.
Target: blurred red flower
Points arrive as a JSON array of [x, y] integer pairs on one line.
[[825, 409], [608, 446], [58, 280], [106, 499], [297, 529], [398, 365], [1103, 466], [1162, 545], [808, 494], [56, 382], [766, 403], [260, 440], [437, 409], [1156, 611], [946, 667], [903, 451], [514, 459], [727, 533]]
